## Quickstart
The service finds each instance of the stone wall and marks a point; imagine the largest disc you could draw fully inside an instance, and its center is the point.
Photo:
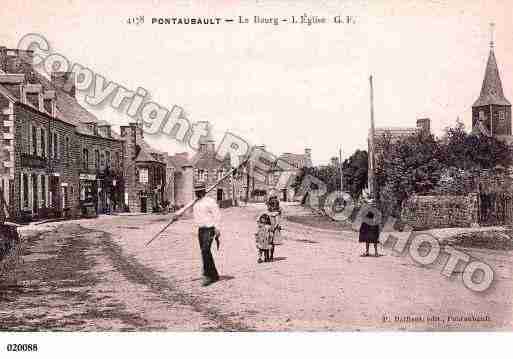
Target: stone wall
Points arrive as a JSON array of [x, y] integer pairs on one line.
[[422, 212]]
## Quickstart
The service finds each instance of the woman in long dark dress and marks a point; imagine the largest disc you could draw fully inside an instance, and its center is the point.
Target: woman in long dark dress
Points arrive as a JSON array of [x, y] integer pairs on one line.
[[369, 233]]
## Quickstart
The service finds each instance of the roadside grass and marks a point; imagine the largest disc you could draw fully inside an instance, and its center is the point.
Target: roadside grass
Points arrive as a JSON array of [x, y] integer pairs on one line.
[[493, 239], [321, 222]]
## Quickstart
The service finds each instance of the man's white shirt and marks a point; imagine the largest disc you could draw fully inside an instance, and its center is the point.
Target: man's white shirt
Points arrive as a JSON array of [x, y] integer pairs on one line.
[[206, 213]]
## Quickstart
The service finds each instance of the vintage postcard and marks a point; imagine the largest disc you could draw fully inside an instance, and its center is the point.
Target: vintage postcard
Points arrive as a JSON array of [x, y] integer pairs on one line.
[[263, 166]]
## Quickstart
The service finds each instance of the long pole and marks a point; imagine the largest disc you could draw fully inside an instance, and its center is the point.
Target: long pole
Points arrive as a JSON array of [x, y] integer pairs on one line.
[[371, 143], [193, 202], [340, 168]]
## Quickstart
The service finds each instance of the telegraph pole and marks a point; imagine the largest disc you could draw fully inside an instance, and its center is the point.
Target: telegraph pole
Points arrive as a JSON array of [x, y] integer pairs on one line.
[[371, 145], [341, 173]]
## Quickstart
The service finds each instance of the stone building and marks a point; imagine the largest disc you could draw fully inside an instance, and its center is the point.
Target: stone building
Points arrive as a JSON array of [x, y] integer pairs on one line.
[[144, 171], [58, 159], [391, 134], [492, 109], [208, 170], [180, 178], [274, 175], [284, 171], [45, 131]]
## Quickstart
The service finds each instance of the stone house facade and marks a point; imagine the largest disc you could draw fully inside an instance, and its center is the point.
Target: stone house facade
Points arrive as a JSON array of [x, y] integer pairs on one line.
[[144, 171], [46, 134], [57, 158], [207, 170]]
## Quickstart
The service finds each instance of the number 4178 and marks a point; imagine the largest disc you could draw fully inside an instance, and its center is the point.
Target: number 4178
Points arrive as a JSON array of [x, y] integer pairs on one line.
[[135, 20]]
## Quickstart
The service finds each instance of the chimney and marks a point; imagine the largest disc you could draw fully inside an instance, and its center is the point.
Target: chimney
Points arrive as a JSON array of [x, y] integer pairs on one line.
[[93, 126], [424, 125], [106, 130], [64, 81], [16, 61], [308, 157], [49, 102], [138, 129]]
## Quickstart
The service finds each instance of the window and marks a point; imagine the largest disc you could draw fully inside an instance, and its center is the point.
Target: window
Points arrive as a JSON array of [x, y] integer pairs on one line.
[[43, 191], [107, 155], [502, 115], [481, 115], [220, 174], [116, 159], [143, 175], [67, 148], [85, 158], [202, 175], [34, 140], [97, 159], [25, 190], [55, 149], [43, 143], [65, 201], [102, 159]]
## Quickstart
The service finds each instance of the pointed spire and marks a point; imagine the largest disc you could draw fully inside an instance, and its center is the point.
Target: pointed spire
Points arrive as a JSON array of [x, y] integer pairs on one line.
[[491, 89]]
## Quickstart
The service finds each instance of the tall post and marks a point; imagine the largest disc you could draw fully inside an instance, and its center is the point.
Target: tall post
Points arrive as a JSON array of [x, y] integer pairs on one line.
[[340, 168], [371, 184]]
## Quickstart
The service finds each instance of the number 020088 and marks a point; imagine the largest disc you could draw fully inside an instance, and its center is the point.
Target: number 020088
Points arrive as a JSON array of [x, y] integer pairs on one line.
[[22, 347]]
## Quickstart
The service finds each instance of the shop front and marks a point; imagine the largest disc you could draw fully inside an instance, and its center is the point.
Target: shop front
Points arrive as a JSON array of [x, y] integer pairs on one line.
[[146, 199], [88, 195]]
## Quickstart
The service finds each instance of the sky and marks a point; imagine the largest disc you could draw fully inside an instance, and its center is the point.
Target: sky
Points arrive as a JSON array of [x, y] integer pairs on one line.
[[289, 86]]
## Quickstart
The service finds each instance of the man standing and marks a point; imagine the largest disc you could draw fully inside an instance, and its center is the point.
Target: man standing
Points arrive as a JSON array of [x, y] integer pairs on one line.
[[207, 216]]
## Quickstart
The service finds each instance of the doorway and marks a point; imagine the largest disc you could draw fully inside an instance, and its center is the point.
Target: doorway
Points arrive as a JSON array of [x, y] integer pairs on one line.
[[144, 204], [219, 194], [34, 194]]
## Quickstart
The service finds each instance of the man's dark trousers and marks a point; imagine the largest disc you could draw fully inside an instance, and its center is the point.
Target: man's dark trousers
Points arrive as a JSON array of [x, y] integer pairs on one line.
[[206, 236]]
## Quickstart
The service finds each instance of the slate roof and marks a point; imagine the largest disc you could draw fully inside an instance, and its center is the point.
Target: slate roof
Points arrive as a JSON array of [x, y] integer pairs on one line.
[[178, 160], [68, 108], [208, 160], [144, 156], [146, 152], [491, 89]]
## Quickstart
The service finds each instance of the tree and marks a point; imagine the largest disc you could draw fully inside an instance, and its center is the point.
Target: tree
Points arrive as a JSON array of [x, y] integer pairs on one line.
[[355, 170], [473, 151], [412, 165]]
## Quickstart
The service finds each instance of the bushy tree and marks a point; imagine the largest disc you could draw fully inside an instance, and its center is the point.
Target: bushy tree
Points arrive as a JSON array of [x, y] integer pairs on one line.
[[412, 165], [355, 170], [473, 150]]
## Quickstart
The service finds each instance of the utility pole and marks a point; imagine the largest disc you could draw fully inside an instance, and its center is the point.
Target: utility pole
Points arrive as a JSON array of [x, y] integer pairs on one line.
[[340, 167], [371, 144]]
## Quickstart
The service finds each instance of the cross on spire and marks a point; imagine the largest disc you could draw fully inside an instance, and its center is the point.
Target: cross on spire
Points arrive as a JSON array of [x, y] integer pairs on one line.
[[492, 28]]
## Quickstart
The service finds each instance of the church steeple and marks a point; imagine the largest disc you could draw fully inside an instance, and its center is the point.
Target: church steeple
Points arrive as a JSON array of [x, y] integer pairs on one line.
[[492, 110], [491, 90]]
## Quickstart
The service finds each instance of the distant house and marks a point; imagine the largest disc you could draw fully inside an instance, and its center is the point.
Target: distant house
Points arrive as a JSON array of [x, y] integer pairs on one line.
[[207, 170], [278, 175]]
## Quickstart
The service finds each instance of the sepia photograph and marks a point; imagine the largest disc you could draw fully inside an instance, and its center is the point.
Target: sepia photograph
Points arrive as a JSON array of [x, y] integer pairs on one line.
[[252, 168]]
